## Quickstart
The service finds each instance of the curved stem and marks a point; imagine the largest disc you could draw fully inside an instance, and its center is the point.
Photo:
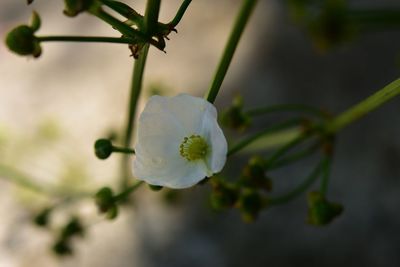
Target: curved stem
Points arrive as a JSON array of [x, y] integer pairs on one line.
[[122, 40], [180, 13], [247, 141], [23, 180], [284, 149], [230, 48], [295, 157], [129, 190], [364, 107], [285, 108], [300, 188]]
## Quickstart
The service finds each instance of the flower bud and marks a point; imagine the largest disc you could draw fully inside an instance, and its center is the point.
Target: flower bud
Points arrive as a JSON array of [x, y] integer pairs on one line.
[[74, 7], [250, 205], [73, 227], [22, 41], [320, 210], [253, 175], [42, 219], [62, 248], [104, 199], [234, 117], [103, 148], [224, 195]]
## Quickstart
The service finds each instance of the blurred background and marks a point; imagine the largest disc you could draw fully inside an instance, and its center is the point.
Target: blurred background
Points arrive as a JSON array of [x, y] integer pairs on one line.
[[53, 108]]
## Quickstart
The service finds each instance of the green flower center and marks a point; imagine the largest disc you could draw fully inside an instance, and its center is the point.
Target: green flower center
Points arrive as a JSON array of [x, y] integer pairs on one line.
[[193, 147]]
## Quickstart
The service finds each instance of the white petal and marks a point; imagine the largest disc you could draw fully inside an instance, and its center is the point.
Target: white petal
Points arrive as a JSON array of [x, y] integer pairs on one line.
[[190, 110], [217, 141]]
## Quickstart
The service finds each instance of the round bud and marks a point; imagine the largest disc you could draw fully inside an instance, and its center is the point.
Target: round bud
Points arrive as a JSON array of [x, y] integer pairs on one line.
[[74, 7], [250, 205], [104, 199], [234, 117], [320, 210], [62, 248], [103, 148], [22, 41], [42, 219]]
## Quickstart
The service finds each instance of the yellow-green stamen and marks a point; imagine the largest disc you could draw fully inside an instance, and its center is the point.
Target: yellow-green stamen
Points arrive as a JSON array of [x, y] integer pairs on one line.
[[193, 147]]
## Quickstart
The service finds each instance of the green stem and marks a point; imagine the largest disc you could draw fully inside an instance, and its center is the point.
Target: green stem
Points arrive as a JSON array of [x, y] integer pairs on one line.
[[123, 150], [123, 28], [296, 156], [150, 20], [287, 108], [122, 40], [284, 149], [23, 180], [230, 48], [180, 13], [300, 188], [129, 190], [325, 176], [247, 141], [369, 18], [364, 107]]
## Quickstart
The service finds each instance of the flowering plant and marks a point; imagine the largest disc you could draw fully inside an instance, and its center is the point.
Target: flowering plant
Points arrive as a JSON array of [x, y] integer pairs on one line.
[[179, 142]]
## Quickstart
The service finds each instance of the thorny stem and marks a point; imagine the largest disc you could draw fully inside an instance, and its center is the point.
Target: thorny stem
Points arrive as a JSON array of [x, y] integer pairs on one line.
[[301, 187]]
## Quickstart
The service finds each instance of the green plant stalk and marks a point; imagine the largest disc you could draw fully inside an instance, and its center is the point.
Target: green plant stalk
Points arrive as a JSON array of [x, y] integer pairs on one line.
[[122, 40], [181, 11], [230, 48], [300, 188], [129, 190], [295, 156], [123, 150], [325, 176], [123, 28], [276, 128], [23, 180], [374, 18], [284, 149], [152, 11], [286, 108], [364, 107]]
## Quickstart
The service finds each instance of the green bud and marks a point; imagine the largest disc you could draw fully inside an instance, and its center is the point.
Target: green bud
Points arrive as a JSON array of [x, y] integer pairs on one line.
[[22, 41], [112, 212], [73, 227], [104, 199], [253, 175], [234, 117], [224, 195], [320, 210], [250, 205], [103, 148], [106, 203], [42, 219], [62, 248], [74, 7]]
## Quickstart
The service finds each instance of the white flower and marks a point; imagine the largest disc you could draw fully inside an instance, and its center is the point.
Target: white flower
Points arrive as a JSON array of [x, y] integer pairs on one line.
[[179, 142]]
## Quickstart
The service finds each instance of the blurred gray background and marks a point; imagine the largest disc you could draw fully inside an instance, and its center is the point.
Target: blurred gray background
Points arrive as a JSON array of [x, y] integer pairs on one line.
[[80, 93]]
